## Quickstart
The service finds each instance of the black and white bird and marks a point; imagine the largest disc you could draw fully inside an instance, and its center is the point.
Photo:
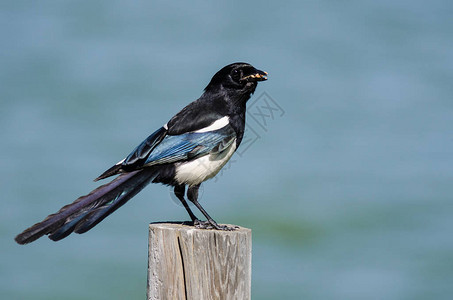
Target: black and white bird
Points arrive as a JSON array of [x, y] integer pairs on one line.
[[191, 148]]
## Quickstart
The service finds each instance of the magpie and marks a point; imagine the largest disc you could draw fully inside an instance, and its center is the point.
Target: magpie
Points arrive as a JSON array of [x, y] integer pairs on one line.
[[190, 148]]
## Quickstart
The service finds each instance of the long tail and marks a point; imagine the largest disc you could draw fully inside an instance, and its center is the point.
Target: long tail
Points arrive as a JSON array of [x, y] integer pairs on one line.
[[87, 211]]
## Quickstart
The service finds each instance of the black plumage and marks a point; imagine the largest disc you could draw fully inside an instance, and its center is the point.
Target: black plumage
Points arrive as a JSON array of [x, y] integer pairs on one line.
[[191, 148]]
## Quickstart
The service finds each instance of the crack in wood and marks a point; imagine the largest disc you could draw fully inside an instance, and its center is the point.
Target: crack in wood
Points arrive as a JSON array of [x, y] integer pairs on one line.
[[183, 268]]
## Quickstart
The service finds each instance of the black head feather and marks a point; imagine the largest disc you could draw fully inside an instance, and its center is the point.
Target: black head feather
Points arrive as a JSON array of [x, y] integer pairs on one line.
[[241, 77]]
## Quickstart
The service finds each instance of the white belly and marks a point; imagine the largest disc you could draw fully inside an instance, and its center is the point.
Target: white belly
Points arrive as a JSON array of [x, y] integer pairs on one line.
[[196, 171]]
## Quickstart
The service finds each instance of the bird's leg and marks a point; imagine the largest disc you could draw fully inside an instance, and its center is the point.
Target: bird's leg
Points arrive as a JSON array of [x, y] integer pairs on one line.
[[179, 193], [192, 194]]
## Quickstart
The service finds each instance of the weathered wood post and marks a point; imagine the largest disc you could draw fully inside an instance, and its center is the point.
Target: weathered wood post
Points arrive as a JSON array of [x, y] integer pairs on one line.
[[189, 263]]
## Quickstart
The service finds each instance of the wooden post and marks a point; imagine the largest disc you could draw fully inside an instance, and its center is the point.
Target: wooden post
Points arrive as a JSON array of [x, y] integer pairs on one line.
[[189, 263]]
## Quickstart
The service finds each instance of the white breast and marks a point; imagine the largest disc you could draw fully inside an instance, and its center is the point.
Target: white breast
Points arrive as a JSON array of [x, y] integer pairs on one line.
[[196, 171]]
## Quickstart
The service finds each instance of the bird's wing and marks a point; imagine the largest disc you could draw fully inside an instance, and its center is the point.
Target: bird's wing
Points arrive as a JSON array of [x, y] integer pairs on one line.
[[163, 147], [197, 115], [138, 156], [174, 148], [203, 115]]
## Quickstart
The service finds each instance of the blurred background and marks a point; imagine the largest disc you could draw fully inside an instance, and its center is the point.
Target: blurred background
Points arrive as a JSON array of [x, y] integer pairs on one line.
[[346, 175]]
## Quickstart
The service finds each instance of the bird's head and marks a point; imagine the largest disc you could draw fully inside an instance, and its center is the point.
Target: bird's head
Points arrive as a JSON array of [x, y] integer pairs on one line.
[[240, 77]]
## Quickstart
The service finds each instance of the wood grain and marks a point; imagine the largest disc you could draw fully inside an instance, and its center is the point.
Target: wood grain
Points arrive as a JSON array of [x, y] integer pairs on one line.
[[189, 263]]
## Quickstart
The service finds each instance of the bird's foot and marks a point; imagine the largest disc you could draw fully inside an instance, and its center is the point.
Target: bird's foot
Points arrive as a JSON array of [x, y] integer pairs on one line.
[[212, 225]]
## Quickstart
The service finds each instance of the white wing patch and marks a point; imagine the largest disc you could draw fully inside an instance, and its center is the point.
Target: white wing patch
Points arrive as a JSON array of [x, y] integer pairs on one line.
[[220, 123], [120, 162]]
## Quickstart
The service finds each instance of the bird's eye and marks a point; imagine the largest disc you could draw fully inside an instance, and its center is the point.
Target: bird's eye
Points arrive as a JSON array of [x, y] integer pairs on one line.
[[235, 75]]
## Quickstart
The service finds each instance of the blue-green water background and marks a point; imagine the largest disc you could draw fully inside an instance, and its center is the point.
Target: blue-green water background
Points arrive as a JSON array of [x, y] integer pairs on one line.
[[349, 192]]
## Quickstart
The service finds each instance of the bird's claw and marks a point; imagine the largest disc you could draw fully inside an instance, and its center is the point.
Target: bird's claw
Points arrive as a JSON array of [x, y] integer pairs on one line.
[[213, 225]]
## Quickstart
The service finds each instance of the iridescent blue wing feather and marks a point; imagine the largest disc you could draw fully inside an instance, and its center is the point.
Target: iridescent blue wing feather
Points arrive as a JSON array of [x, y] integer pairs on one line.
[[174, 148]]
